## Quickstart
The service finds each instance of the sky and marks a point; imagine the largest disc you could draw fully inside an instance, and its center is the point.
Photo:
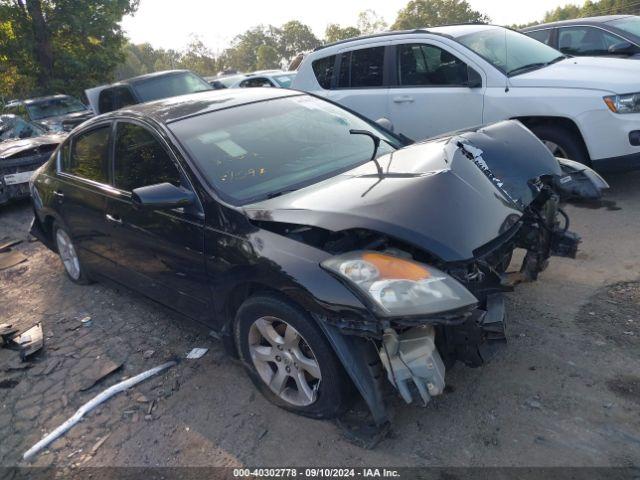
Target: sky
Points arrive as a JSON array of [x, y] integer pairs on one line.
[[171, 23]]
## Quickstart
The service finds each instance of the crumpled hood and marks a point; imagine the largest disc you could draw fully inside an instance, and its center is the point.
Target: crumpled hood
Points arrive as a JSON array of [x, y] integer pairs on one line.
[[440, 195], [9, 148], [610, 75]]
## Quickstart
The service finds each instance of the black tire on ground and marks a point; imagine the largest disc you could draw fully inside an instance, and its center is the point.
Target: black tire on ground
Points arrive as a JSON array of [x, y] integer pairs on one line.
[[334, 392], [567, 140], [83, 277]]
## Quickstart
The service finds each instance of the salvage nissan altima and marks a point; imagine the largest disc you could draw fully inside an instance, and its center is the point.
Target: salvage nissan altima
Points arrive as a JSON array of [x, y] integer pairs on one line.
[[326, 252]]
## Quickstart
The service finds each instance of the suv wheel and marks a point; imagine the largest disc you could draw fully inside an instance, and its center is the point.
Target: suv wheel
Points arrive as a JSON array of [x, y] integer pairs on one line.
[[289, 359], [562, 142], [69, 256]]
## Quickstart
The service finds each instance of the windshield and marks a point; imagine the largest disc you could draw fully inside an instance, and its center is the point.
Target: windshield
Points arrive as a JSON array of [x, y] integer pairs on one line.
[[15, 127], [510, 52], [170, 85], [284, 80], [628, 24], [54, 107], [262, 149]]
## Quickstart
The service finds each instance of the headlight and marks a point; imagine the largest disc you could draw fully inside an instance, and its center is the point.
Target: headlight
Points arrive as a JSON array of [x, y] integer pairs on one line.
[[628, 103], [400, 287]]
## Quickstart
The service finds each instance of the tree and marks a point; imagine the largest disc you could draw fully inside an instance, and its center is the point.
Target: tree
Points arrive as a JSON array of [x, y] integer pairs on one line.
[[242, 53], [430, 13], [592, 9], [64, 45], [335, 33], [370, 22], [267, 57], [199, 58], [295, 37]]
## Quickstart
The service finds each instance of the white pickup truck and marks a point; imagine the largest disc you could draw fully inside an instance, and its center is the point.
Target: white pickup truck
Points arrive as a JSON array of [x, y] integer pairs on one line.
[[428, 82]]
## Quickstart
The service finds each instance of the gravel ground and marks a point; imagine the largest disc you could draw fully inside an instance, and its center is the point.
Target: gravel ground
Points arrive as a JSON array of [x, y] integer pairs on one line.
[[565, 390]]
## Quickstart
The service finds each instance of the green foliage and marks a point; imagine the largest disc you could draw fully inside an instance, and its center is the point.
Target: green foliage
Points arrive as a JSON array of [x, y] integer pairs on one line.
[[431, 13], [267, 58], [370, 22], [593, 9], [61, 45], [335, 33], [293, 38]]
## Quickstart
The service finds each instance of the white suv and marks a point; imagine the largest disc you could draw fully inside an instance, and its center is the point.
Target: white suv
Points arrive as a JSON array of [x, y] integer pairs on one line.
[[427, 82]]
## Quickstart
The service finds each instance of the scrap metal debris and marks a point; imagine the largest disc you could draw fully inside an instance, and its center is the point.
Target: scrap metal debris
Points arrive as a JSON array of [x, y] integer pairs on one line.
[[91, 404], [28, 342], [7, 245], [197, 353], [9, 259], [99, 372]]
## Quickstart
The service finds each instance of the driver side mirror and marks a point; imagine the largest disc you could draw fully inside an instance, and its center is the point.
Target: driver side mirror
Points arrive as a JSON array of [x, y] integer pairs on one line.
[[474, 80], [624, 48], [162, 196]]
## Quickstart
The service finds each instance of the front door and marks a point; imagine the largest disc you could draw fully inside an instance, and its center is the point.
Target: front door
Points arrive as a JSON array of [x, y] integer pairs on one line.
[[432, 93], [160, 252]]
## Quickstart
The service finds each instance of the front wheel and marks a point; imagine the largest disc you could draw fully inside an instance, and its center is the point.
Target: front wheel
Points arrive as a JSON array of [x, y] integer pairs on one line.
[[562, 142], [69, 256], [289, 359]]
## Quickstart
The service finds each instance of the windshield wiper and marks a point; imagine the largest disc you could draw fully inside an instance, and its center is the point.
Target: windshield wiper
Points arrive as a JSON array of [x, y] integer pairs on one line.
[[376, 145], [534, 66]]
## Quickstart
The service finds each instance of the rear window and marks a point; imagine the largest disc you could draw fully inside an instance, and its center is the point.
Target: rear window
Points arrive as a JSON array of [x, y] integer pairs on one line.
[[89, 156], [171, 85], [323, 69]]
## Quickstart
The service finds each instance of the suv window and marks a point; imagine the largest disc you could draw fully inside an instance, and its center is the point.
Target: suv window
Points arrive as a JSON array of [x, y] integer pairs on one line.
[[114, 98], [428, 65], [89, 156], [361, 68], [543, 36], [140, 159], [323, 69], [586, 41]]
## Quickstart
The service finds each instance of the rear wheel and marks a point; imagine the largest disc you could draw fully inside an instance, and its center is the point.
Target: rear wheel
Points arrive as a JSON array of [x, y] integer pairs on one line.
[[69, 256], [562, 142], [289, 359]]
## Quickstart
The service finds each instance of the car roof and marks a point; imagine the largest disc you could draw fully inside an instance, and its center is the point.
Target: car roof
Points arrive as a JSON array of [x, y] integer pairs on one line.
[[577, 21], [168, 110], [146, 76]]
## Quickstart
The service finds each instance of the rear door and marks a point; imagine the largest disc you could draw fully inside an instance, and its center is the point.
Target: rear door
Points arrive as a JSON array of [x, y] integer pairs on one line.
[[431, 91], [80, 195], [360, 80], [159, 252]]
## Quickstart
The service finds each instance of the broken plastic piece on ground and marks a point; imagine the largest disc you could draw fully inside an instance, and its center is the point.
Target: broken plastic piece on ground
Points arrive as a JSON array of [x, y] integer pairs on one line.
[[7, 245], [29, 341], [197, 353], [99, 372], [10, 259], [6, 331], [91, 404]]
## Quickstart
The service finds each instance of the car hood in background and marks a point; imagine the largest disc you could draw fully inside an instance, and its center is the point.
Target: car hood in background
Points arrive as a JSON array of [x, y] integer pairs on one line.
[[612, 75], [448, 196], [10, 148]]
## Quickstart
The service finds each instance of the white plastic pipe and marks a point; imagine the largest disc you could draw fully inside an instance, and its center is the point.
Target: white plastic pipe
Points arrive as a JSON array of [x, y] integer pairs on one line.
[[91, 404]]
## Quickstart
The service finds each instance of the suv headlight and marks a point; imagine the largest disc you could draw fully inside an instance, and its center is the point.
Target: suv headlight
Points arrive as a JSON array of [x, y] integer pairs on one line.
[[628, 103], [400, 287]]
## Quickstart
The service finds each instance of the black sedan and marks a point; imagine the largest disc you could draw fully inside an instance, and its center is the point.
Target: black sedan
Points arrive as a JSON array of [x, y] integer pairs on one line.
[[609, 36], [326, 253]]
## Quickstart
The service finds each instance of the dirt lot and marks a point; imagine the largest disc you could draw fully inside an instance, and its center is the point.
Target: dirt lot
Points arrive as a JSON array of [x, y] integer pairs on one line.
[[565, 391]]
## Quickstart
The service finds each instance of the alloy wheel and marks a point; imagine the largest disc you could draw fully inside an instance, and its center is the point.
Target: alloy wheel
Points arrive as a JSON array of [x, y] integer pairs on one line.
[[555, 149], [284, 360], [68, 254]]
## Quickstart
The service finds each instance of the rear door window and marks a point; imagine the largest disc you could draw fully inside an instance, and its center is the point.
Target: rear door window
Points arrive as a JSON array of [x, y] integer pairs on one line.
[[89, 156], [362, 68], [140, 159], [428, 65], [323, 70]]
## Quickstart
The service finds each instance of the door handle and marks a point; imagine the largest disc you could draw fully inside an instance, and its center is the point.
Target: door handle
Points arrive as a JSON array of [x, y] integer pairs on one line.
[[58, 194], [113, 218], [403, 99]]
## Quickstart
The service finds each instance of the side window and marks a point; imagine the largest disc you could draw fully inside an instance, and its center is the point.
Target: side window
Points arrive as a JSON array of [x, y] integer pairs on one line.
[[106, 101], [256, 82], [123, 97], [89, 156], [543, 36], [428, 65], [361, 68], [585, 41], [323, 70], [140, 160]]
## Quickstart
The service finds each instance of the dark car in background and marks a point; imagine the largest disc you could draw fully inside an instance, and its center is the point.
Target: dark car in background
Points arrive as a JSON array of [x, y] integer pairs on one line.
[[24, 147], [609, 36], [323, 250], [145, 88], [56, 113]]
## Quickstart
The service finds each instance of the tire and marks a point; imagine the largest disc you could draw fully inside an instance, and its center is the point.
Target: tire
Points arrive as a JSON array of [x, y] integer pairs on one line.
[[68, 255], [569, 145], [326, 396]]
